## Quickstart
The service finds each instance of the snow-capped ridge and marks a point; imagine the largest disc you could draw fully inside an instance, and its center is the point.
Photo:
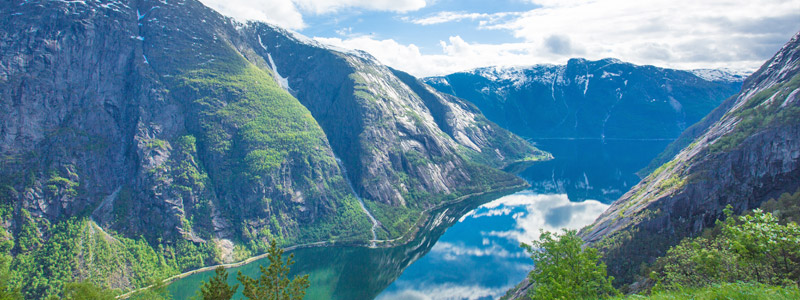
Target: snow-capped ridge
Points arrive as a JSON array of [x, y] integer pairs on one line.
[[302, 39], [723, 75]]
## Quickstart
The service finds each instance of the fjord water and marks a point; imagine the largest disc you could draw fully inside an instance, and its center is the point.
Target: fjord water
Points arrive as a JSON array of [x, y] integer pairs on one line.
[[479, 257], [470, 250]]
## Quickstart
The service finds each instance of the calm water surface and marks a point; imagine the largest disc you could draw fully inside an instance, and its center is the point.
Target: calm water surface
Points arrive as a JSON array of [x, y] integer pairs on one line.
[[479, 257], [471, 250]]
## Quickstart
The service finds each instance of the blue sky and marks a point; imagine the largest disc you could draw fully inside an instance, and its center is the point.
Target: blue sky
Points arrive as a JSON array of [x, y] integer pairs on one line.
[[436, 37], [400, 26]]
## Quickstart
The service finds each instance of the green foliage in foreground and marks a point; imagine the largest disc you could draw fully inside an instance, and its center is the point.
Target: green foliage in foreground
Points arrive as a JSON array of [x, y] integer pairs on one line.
[[755, 256], [729, 291], [564, 270], [274, 283], [217, 287], [754, 248]]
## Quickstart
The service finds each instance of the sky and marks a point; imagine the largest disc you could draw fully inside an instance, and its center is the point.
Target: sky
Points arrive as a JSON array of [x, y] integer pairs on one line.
[[438, 37]]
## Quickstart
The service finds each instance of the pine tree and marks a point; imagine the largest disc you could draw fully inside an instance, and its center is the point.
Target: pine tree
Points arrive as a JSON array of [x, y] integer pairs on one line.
[[217, 287], [274, 283]]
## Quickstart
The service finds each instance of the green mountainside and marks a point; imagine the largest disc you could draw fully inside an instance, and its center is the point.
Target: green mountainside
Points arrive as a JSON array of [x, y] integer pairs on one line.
[[144, 138]]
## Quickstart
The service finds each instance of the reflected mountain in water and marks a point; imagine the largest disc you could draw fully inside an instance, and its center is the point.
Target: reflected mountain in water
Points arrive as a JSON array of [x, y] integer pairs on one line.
[[352, 272], [480, 257], [594, 169]]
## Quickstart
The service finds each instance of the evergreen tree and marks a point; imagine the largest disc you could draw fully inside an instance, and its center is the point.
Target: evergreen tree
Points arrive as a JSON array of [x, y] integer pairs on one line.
[[274, 283], [217, 287], [564, 270]]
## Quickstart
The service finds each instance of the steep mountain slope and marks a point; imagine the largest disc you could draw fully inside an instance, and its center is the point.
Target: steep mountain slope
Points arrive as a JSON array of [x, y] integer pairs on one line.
[[592, 99], [751, 154], [410, 138], [205, 137]]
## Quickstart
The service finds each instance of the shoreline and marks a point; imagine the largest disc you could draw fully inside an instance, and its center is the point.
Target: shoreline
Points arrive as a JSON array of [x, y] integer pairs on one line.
[[414, 230]]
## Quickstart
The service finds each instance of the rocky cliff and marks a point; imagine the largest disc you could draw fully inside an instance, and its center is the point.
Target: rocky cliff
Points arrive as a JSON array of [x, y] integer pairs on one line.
[[592, 99], [206, 137], [749, 155]]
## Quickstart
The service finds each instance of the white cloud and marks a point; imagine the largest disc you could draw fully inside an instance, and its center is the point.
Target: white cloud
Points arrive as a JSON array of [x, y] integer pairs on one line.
[[450, 16], [674, 33], [683, 34], [450, 251], [281, 13], [447, 291], [457, 54], [289, 13], [543, 212], [328, 6]]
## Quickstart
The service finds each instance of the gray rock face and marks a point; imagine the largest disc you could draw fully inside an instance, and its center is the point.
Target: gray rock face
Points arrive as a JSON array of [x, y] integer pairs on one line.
[[746, 157], [166, 120], [69, 101], [404, 129]]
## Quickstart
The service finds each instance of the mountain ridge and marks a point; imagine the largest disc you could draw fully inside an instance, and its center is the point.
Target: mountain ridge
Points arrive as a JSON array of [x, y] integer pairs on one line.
[[591, 99], [747, 156]]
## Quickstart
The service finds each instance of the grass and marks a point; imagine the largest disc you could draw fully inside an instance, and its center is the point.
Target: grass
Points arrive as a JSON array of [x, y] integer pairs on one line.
[[729, 291]]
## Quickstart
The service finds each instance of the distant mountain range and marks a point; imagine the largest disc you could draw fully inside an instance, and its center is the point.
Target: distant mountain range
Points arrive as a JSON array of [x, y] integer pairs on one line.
[[604, 99]]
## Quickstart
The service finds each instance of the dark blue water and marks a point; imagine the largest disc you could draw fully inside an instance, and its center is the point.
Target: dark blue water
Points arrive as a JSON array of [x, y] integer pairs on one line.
[[479, 257]]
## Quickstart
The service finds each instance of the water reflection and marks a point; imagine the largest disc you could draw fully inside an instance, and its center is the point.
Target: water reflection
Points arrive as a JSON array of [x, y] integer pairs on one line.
[[591, 169], [479, 257], [352, 272]]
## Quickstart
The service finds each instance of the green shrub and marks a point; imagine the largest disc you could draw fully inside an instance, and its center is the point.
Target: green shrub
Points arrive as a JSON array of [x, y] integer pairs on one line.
[[565, 270], [750, 248]]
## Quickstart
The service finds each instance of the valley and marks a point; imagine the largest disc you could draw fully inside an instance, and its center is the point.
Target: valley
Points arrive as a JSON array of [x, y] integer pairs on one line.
[[472, 248], [145, 142]]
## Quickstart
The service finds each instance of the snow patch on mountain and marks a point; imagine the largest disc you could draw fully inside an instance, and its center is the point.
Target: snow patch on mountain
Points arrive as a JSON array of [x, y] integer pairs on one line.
[[282, 81], [724, 75], [509, 74], [438, 81]]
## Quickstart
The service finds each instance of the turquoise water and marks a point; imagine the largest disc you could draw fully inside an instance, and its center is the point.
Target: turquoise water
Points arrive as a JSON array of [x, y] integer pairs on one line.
[[351, 272], [471, 250]]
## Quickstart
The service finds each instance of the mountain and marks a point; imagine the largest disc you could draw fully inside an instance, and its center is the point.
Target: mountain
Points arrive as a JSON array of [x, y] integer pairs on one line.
[[743, 154], [141, 138], [604, 99]]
